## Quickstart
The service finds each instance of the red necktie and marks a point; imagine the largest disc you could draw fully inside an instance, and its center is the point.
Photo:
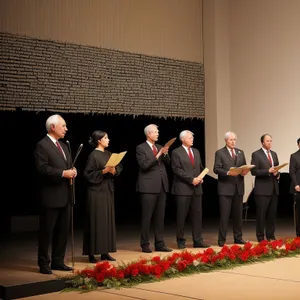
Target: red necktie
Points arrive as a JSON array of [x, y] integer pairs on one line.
[[232, 154], [269, 158], [154, 150], [191, 156], [60, 150]]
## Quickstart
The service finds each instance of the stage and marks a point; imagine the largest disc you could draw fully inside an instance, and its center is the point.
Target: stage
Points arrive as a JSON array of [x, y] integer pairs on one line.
[[279, 279]]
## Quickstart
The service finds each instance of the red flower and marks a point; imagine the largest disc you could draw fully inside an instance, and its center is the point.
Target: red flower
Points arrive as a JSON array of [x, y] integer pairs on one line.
[[244, 256], [88, 272], [102, 266], [158, 270], [134, 272], [247, 246], [120, 275], [156, 259], [181, 265], [145, 269], [209, 251], [99, 277], [205, 259]]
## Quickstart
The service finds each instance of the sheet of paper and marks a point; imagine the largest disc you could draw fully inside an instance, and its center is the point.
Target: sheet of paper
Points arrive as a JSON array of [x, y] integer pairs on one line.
[[280, 166], [203, 173], [115, 159], [240, 169], [170, 142]]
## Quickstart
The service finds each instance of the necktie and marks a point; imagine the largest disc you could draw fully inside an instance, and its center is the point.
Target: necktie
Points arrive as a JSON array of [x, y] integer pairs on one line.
[[60, 150], [269, 158], [191, 156], [154, 150], [233, 154]]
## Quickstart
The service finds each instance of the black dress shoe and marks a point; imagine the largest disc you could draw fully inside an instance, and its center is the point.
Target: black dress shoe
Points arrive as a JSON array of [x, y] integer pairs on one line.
[[164, 249], [272, 239], [146, 249], [201, 245], [62, 267], [92, 259], [45, 270], [221, 243], [240, 242], [181, 245], [107, 257]]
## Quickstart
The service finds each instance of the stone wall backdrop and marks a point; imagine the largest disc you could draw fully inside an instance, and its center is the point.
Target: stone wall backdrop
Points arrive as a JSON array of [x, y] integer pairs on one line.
[[38, 75]]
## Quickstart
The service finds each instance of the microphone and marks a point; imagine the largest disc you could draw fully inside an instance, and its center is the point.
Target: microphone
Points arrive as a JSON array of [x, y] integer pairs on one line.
[[77, 153], [69, 147]]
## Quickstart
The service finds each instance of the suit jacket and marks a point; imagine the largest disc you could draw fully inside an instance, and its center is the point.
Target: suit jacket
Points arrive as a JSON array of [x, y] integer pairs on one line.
[[152, 174], [54, 190], [223, 162], [294, 170], [265, 183], [185, 172]]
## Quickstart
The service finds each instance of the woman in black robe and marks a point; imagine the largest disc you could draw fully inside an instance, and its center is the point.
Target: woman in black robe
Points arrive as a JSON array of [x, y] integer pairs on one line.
[[100, 229]]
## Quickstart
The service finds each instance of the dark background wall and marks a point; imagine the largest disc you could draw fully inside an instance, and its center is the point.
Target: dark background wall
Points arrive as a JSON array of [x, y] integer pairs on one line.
[[23, 129]]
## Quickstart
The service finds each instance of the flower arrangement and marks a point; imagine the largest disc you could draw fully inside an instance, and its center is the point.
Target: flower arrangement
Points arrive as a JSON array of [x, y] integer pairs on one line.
[[179, 264]]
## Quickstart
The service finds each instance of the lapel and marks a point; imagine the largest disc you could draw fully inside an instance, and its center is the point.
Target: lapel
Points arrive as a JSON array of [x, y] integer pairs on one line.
[[195, 157], [56, 150], [228, 155], [298, 152], [149, 150], [264, 156], [185, 154]]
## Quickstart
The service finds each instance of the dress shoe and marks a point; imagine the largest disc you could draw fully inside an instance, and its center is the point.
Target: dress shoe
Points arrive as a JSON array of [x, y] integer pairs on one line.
[[107, 257], [45, 270], [271, 239], [92, 259], [163, 249], [181, 245], [201, 245], [240, 242], [61, 267], [146, 249], [221, 243]]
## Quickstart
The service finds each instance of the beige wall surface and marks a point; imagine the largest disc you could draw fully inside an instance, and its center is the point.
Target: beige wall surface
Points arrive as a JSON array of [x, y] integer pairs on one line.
[[263, 64], [166, 28]]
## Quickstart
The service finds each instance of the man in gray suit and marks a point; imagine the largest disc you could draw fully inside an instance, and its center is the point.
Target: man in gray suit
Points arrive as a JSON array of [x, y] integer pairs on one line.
[[266, 188], [295, 183], [152, 184], [187, 188], [230, 188]]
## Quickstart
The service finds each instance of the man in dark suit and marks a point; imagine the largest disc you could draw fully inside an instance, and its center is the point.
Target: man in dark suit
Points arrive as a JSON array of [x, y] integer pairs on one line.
[[187, 188], [266, 188], [230, 188], [53, 164], [152, 184], [295, 183]]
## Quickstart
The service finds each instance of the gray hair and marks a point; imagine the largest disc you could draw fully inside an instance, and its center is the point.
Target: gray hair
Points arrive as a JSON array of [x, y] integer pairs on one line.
[[184, 133], [228, 134], [148, 128], [52, 120]]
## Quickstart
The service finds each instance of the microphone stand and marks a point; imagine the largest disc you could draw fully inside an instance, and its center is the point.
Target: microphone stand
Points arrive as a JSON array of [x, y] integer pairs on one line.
[[72, 184]]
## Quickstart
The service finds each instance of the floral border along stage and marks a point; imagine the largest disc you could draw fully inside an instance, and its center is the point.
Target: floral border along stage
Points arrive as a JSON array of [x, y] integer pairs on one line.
[[179, 264]]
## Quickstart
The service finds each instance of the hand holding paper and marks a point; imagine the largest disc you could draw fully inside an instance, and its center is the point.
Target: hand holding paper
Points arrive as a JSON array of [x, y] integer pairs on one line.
[[115, 159], [203, 173], [242, 169], [277, 168], [170, 142]]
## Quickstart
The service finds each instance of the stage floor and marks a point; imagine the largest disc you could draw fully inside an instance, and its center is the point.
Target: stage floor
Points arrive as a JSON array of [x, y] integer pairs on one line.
[[278, 279]]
